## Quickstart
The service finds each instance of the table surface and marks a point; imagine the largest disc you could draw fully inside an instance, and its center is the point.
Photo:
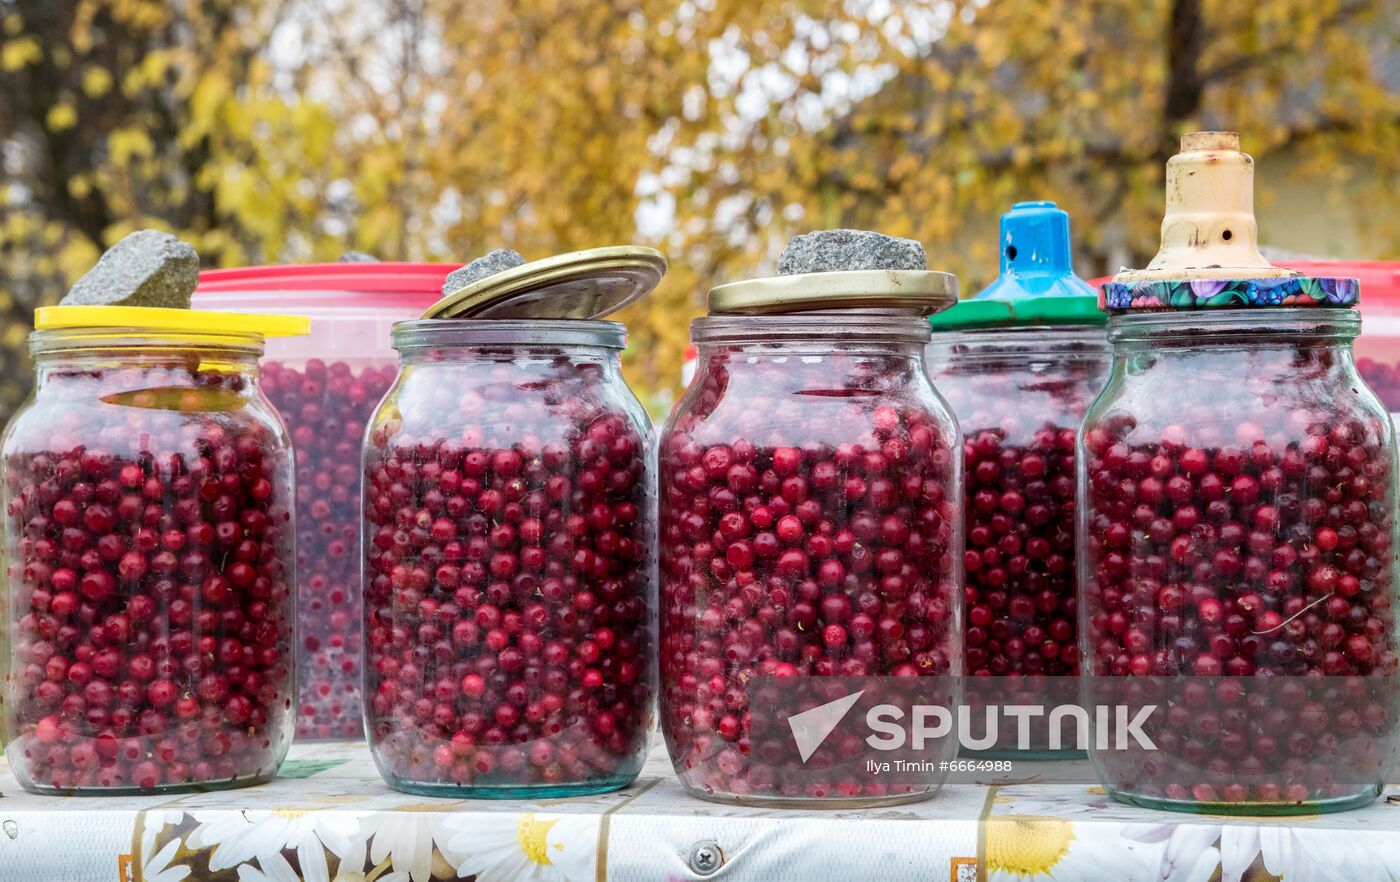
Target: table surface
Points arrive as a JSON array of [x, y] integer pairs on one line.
[[329, 817]]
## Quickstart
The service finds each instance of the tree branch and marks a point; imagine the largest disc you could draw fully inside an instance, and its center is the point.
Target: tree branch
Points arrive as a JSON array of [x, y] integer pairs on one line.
[[1283, 48]]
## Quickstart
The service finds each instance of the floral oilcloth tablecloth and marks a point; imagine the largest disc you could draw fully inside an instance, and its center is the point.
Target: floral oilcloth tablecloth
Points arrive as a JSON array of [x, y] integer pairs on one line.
[[329, 818]]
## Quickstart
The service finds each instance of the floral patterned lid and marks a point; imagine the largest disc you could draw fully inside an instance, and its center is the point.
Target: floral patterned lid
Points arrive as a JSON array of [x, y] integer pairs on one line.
[[1209, 256], [1037, 285]]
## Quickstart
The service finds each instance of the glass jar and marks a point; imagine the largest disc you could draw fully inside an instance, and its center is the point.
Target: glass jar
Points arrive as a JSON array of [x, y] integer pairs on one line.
[[150, 563], [326, 385], [1238, 485], [809, 529], [509, 575]]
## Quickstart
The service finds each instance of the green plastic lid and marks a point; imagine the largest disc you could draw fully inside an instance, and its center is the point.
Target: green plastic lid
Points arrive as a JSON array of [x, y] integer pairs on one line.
[[1040, 311]]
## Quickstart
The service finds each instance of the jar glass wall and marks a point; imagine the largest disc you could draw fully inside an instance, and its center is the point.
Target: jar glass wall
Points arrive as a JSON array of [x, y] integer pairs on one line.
[[1237, 550], [509, 569], [148, 495], [1019, 394], [809, 529]]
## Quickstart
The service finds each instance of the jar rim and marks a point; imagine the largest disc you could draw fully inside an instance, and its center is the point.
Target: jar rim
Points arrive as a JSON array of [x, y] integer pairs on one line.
[[59, 341], [1344, 323], [418, 334], [838, 326], [1021, 334]]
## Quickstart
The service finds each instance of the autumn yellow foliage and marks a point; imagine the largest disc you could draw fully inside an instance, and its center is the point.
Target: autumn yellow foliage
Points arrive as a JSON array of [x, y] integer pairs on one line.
[[273, 130]]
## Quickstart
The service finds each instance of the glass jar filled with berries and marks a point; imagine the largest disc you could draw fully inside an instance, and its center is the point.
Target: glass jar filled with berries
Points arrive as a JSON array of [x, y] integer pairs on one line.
[[149, 532], [1019, 364], [325, 385], [509, 530], [1237, 531], [809, 529]]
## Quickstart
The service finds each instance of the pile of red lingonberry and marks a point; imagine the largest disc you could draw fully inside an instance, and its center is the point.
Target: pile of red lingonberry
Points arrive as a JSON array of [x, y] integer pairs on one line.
[[326, 408], [1384, 380], [1248, 546], [807, 524], [508, 581], [149, 552]]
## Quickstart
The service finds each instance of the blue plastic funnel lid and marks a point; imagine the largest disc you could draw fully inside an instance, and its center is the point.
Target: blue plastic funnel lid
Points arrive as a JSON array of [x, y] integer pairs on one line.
[[1037, 285], [1035, 256]]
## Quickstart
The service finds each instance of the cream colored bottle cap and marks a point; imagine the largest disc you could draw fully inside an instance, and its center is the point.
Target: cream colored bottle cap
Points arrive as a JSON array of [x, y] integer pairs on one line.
[[1209, 231], [1209, 257]]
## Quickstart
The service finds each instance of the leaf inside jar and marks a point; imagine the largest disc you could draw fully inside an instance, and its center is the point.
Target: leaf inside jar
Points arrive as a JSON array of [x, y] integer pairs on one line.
[[181, 398]]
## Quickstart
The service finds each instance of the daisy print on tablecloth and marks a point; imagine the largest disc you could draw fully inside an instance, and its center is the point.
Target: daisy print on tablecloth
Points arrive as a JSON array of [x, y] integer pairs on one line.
[[1032, 841], [407, 841], [239, 837], [1188, 854], [529, 847], [350, 869], [1286, 851], [153, 824], [157, 867]]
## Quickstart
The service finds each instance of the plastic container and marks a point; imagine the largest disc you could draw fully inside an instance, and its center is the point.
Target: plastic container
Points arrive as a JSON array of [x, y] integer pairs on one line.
[[150, 564], [1378, 346], [509, 575], [809, 529], [1237, 530], [326, 385]]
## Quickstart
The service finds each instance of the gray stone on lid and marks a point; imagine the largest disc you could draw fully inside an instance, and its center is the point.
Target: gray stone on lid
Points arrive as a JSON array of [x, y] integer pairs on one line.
[[832, 251], [356, 257], [147, 268], [497, 261]]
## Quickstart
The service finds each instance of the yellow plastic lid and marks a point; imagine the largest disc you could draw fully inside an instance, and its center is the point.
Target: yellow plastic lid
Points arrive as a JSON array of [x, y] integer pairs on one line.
[[157, 318]]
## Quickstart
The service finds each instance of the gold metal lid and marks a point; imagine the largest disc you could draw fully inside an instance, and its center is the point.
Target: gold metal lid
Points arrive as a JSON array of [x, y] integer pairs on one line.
[[579, 285], [912, 292]]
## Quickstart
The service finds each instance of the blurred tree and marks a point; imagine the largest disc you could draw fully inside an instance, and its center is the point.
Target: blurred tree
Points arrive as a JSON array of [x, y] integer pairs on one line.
[[983, 103], [122, 114], [285, 130]]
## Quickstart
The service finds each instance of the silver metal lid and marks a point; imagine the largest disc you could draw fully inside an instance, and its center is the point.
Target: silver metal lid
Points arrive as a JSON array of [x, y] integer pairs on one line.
[[579, 285]]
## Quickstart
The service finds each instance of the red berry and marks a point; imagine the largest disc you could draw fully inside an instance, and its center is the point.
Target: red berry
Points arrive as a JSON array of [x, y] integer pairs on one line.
[[1255, 563]]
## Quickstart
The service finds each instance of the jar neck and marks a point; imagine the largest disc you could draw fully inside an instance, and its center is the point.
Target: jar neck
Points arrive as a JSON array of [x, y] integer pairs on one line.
[[459, 341], [99, 353], [1234, 329], [832, 334], [811, 356], [976, 347]]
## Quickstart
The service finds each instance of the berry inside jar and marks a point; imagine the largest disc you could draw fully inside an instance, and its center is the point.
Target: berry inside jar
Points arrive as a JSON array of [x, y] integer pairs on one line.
[[326, 387], [150, 569], [509, 575], [1019, 395]]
